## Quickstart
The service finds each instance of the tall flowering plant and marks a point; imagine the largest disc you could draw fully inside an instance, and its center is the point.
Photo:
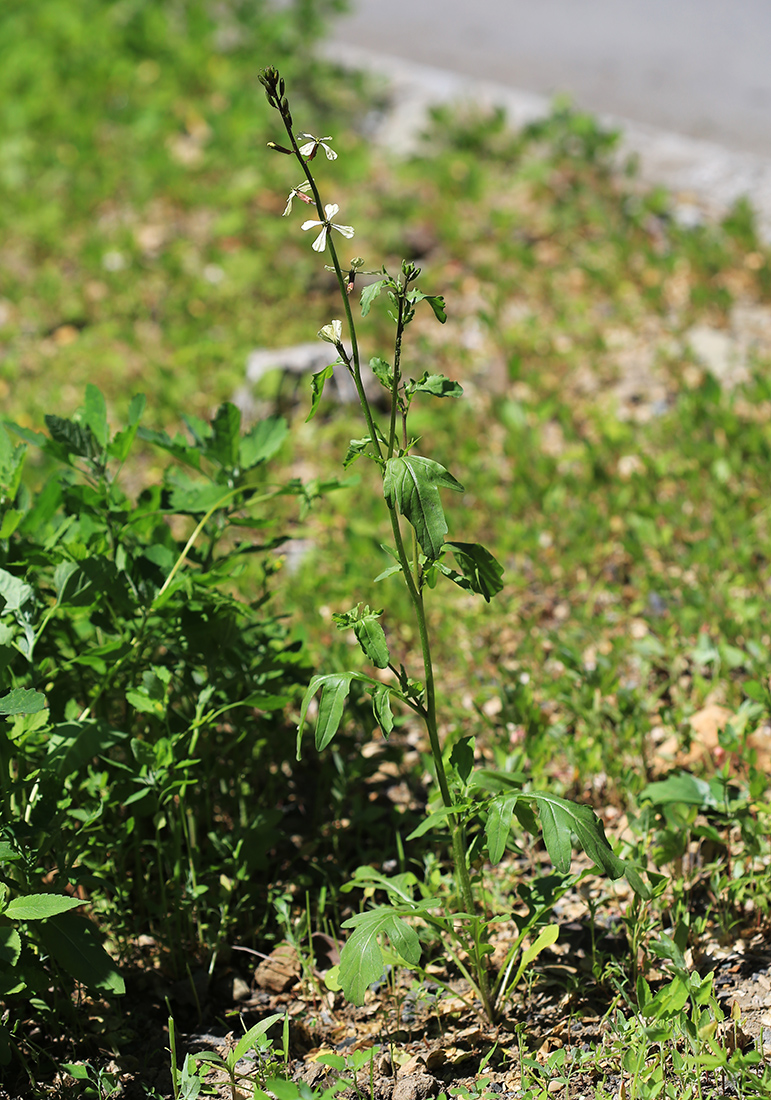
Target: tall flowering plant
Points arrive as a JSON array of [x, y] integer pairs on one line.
[[421, 554]]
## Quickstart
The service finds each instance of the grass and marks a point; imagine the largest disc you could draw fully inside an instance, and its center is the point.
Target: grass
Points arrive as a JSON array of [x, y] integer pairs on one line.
[[622, 486]]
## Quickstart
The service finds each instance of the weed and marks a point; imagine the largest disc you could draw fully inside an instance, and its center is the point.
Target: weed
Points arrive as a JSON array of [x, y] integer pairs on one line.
[[410, 485], [126, 668]]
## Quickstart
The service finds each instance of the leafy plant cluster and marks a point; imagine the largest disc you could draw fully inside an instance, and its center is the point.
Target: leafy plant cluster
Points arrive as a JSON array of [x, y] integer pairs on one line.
[[140, 698]]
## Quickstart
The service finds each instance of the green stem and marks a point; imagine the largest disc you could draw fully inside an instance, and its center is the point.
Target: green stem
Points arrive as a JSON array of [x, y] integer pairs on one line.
[[196, 532], [397, 376]]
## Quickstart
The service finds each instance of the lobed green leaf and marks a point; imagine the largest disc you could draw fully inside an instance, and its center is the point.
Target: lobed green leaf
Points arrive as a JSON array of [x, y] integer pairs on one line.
[[370, 293], [411, 484], [480, 570], [438, 386], [561, 820], [318, 381]]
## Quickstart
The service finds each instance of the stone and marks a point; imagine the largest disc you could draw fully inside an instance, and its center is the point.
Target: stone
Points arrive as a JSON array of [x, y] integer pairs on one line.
[[415, 1086], [279, 971]]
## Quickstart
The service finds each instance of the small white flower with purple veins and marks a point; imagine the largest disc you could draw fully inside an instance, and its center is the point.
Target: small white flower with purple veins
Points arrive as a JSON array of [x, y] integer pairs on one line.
[[329, 210], [299, 192], [311, 147]]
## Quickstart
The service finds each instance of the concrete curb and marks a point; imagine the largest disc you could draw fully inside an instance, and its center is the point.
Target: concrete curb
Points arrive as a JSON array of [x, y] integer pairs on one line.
[[699, 172]]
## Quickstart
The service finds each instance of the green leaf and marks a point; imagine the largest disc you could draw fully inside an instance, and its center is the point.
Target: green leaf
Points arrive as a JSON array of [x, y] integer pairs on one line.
[[437, 817], [262, 441], [389, 572], [121, 444], [669, 1001], [381, 708], [561, 820], [361, 960], [225, 438], [411, 484], [436, 301], [753, 689], [14, 592], [404, 940], [95, 411], [178, 447], [369, 294], [478, 566], [356, 447], [143, 704], [249, 1038], [77, 1070], [438, 386], [462, 757], [545, 938], [22, 701], [635, 880], [74, 942], [72, 745], [331, 705], [499, 824], [87, 582], [383, 371], [684, 788], [9, 521], [10, 945], [318, 381], [371, 637], [11, 466], [196, 497], [39, 906], [72, 438], [334, 691]]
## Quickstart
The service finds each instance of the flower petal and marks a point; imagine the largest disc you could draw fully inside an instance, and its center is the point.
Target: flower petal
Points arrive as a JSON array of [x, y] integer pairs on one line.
[[307, 149], [310, 224], [346, 230], [321, 240], [330, 210]]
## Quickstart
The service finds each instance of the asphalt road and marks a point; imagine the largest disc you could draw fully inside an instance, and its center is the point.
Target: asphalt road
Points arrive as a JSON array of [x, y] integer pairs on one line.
[[701, 68]]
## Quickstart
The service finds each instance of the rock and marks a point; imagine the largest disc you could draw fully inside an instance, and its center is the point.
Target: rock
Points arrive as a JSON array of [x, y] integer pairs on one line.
[[313, 1074], [279, 971], [415, 1086], [416, 1064]]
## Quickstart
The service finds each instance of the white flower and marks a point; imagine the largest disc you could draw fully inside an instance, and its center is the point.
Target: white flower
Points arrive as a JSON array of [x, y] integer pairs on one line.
[[310, 149], [298, 192], [332, 333], [330, 210]]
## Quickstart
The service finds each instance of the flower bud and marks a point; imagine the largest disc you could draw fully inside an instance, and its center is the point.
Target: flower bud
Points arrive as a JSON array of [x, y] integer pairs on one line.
[[332, 333]]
